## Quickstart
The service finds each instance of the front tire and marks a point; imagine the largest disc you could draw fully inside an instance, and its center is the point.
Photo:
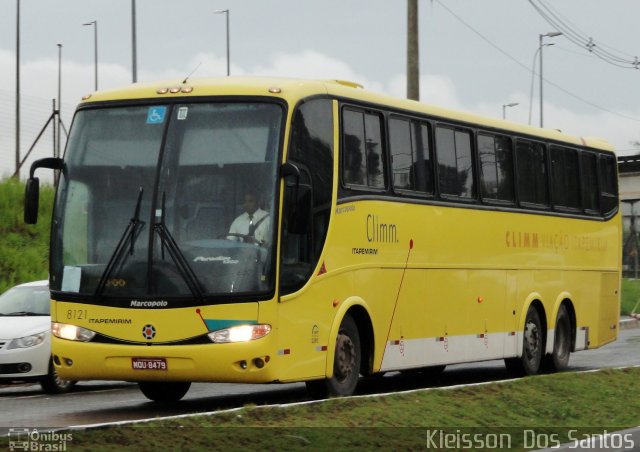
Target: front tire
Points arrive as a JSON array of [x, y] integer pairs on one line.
[[346, 364], [529, 362], [164, 391], [53, 384]]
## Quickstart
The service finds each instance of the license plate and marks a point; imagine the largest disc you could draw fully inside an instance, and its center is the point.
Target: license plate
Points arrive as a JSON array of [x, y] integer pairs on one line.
[[149, 363]]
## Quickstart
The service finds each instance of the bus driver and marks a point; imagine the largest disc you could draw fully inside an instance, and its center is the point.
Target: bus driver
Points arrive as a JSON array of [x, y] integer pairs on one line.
[[252, 225]]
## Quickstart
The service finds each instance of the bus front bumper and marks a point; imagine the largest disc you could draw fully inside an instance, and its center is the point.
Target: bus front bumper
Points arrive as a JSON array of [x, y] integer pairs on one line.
[[244, 362]]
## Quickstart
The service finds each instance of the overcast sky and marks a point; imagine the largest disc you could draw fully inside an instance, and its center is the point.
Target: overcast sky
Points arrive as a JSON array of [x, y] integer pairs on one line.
[[474, 55]]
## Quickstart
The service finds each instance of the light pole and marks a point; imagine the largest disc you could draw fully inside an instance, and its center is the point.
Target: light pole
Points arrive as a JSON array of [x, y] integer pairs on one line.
[[533, 76], [551, 34], [95, 50], [134, 45], [58, 119], [227, 12], [505, 106]]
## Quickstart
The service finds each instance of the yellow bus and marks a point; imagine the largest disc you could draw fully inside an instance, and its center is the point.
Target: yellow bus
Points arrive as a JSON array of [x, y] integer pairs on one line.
[[273, 230]]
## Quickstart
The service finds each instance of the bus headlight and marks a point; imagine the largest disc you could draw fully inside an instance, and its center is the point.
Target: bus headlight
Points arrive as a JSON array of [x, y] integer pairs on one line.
[[71, 332], [27, 341], [241, 333]]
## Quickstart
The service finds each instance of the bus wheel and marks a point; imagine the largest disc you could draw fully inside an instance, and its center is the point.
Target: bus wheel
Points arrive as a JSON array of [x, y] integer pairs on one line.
[[559, 358], [164, 391], [346, 364], [529, 362], [53, 384]]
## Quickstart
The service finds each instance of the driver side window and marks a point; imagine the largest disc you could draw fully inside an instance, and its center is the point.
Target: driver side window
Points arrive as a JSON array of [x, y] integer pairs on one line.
[[311, 150]]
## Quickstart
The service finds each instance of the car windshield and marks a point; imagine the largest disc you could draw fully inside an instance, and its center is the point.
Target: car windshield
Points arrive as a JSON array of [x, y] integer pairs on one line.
[[168, 201], [25, 301]]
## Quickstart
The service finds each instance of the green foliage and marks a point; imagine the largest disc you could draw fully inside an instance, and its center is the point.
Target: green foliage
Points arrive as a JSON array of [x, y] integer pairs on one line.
[[24, 249], [630, 296]]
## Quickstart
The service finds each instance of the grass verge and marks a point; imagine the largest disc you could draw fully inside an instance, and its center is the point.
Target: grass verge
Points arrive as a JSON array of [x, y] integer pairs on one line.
[[630, 296], [523, 414]]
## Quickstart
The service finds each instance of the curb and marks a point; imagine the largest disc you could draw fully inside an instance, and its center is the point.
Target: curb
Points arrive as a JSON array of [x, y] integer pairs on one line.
[[627, 324]]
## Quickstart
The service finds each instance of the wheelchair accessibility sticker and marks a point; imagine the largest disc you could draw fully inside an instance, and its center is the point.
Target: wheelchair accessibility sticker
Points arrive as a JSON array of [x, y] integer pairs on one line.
[[156, 115]]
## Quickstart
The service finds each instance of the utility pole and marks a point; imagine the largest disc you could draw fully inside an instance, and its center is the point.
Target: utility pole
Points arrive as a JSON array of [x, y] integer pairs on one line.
[[134, 45], [413, 60], [58, 120], [17, 172]]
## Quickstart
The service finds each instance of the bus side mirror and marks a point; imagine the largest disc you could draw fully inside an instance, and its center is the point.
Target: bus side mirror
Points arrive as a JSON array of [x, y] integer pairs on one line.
[[31, 200], [32, 189], [297, 200]]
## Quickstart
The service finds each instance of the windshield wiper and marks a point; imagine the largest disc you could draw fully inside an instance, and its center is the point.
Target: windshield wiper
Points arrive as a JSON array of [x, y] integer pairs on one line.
[[167, 240], [130, 234]]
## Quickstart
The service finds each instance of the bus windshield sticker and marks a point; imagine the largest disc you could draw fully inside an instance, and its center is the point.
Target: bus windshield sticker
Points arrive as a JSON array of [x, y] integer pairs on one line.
[[182, 113], [155, 115]]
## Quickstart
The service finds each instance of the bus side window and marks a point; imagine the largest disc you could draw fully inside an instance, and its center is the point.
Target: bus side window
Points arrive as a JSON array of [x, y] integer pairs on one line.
[[565, 178], [589, 182], [608, 191], [410, 156], [532, 173], [455, 168], [363, 163], [496, 168]]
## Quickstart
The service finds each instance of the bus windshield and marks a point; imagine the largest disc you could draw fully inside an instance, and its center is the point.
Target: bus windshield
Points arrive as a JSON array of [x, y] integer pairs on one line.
[[170, 201]]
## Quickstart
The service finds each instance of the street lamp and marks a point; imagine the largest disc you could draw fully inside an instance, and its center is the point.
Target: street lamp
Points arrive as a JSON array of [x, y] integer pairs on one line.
[[551, 34], [533, 76], [226, 11], [95, 50], [58, 119], [505, 106]]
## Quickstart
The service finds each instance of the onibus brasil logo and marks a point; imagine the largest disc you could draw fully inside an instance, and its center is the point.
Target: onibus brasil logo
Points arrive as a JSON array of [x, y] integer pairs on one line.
[[33, 440]]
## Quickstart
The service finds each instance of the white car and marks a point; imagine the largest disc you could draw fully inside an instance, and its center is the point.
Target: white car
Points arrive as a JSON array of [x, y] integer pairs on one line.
[[25, 337]]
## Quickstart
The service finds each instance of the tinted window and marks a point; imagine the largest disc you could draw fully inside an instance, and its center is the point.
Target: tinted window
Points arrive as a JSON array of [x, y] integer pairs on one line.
[[532, 173], [589, 182], [311, 149], [608, 183], [496, 168], [411, 159], [363, 163], [455, 170], [565, 177], [401, 155]]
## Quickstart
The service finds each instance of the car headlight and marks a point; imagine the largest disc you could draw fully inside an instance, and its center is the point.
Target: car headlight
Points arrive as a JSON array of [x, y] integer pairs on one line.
[[71, 332], [27, 341], [240, 333]]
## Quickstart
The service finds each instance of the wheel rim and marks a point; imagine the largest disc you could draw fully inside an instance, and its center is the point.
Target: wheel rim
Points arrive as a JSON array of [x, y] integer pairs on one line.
[[59, 382], [345, 357], [532, 341]]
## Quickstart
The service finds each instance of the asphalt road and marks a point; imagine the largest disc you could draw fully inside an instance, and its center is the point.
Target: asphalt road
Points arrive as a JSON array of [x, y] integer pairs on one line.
[[101, 402]]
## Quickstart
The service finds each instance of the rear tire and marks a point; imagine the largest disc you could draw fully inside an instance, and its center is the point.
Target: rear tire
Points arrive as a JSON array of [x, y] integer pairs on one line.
[[346, 364], [558, 360], [529, 362], [164, 391]]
